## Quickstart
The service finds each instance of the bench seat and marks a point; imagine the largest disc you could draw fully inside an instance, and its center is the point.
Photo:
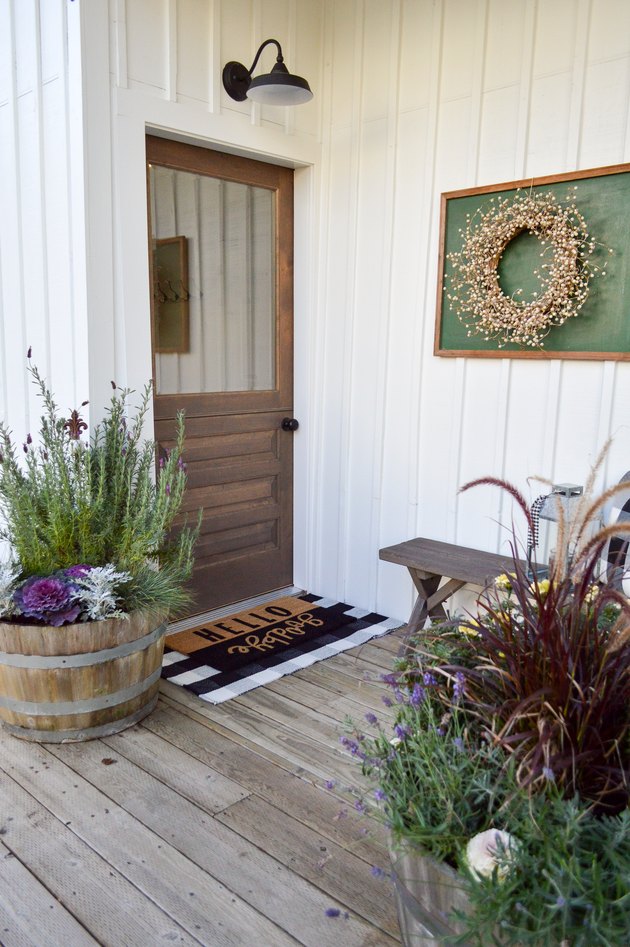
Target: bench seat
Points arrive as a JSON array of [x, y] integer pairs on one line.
[[430, 560]]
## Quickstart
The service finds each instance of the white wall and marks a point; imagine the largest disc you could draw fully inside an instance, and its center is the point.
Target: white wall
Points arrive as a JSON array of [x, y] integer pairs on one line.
[[422, 97], [42, 252], [412, 97]]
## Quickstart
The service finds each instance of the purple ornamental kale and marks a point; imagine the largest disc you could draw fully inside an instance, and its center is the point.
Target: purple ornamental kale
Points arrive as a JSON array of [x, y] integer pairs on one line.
[[49, 600], [78, 571]]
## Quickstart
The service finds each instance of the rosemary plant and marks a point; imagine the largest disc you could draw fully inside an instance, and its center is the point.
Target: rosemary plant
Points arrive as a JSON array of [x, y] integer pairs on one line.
[[71, 504]]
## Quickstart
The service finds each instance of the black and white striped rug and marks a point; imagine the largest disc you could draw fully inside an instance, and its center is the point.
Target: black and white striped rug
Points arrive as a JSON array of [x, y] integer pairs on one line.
[[224, 658]]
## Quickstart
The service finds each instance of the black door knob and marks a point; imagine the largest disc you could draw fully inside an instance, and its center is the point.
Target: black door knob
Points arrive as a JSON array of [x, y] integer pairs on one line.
[[290, 424]]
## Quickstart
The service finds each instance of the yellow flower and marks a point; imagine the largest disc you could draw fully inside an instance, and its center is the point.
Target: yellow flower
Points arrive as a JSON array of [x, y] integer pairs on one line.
[[543, 587], [591, 595], [467, 630], [504, 581]]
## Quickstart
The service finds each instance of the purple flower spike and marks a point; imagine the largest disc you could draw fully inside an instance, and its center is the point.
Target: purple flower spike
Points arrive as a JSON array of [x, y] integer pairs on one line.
[[371, 718], [333, 912], [330, 784], [387, 701], [377, 872], [30, 351], [379, 795], [417, 695], [167, 489], [401, 731], [459, 685], [429, 679], [48, 600]]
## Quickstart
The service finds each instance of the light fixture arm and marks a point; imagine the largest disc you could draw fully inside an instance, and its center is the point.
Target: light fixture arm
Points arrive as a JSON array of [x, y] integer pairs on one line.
[[279, 57]]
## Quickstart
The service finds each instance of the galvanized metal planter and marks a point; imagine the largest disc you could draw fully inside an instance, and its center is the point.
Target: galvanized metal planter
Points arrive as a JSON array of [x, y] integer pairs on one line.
[[426, 893], [81, 681]]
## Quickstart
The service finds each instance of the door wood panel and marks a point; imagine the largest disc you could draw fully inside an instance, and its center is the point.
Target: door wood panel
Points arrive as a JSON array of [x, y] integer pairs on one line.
[[239, 459]]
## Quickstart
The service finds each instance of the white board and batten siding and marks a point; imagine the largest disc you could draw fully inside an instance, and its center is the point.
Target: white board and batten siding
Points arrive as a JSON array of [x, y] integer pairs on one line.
[[423, 97], [412, 98]]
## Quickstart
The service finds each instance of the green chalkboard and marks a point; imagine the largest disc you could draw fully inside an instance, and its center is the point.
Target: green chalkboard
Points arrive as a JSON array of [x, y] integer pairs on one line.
[[601, 330]]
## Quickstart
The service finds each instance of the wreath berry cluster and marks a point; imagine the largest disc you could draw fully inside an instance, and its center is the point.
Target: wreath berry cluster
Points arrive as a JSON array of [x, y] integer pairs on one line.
[[565, 272]]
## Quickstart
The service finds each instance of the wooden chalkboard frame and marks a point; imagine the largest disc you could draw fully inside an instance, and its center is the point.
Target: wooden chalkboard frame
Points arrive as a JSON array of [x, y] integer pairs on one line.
[[603, 320]]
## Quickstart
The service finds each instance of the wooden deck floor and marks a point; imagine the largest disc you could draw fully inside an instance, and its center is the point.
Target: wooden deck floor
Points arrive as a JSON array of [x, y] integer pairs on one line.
[[203, 825]]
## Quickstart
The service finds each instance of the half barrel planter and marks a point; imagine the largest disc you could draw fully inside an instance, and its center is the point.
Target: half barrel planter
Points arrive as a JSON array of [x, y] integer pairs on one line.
[[427, 892], [81, 681]]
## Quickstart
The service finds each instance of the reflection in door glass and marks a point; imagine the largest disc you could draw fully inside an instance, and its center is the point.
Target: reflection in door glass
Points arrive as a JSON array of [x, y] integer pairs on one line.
[[213, 284]]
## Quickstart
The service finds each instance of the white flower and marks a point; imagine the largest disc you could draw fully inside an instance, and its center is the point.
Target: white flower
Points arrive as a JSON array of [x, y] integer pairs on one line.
[[484, 851]]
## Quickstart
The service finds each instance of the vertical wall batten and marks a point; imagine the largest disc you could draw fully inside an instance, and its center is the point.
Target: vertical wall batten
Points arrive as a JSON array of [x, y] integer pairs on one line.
[[425, 300], [120, 42], [578, 82], [171, 46], [456, 451], [39, 152], [348, 328], [14, 409], [387, 292]]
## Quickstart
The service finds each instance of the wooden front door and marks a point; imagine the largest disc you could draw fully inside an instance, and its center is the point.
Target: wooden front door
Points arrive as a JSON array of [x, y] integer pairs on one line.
[[221, 230]]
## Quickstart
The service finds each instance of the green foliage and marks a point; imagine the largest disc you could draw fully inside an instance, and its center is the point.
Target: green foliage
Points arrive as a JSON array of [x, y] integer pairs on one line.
[[74, 502], [438, 785], [517, 719], [570, 883]]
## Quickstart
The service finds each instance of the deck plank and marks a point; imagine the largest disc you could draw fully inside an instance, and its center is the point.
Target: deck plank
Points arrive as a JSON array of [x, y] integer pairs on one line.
[[169, 884], [100, 898], [204, 824], [342, 875], [29, 914], [252, 874], [310, 803], [296, 748]]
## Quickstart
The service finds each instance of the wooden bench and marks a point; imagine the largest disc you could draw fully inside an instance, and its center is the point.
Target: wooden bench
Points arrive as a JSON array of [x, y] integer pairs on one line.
[[429, 561]]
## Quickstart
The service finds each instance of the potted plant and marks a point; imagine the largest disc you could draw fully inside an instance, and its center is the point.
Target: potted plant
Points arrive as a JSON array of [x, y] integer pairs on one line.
[[93, 570], [505, 780]]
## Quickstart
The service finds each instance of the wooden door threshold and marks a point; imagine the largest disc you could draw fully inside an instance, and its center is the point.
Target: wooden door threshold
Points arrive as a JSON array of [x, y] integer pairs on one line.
[[193, 620]]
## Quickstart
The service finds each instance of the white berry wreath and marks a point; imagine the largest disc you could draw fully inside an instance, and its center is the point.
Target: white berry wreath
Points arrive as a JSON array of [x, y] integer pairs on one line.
[[474, 290]]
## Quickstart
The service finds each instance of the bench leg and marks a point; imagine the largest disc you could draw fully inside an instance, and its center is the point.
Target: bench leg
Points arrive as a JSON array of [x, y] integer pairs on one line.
[[429, 603], [427, 585]]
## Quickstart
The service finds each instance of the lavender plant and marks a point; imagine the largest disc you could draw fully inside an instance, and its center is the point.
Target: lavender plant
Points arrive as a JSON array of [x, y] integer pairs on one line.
[[87, 521], [512, 724]]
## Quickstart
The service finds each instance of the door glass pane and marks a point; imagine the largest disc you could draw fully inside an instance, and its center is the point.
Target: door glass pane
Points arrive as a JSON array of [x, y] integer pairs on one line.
[[213, 284]]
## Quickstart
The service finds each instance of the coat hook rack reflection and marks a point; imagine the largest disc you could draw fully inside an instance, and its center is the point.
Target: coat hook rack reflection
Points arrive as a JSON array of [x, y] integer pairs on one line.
[[165, 291]]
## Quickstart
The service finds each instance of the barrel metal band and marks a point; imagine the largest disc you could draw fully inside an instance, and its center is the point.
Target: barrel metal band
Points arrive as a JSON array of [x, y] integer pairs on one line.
[[84, 733], [35, 708], [86, 659]]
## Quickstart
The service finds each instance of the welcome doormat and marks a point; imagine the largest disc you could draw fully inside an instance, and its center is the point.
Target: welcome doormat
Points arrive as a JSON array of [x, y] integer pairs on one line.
[[227, 657]]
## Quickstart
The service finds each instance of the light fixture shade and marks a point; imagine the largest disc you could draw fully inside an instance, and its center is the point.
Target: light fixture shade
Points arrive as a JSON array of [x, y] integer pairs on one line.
[[279, 87]]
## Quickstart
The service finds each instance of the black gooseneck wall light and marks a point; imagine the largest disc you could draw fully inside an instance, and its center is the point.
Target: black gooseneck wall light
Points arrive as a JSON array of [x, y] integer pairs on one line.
[[278, 87]]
